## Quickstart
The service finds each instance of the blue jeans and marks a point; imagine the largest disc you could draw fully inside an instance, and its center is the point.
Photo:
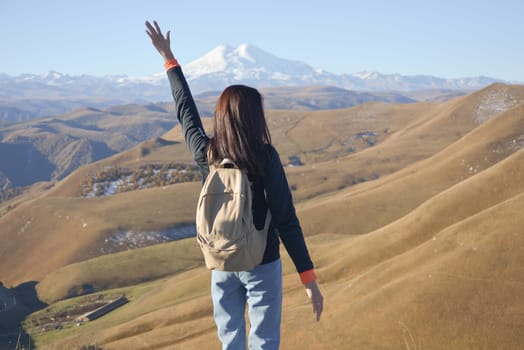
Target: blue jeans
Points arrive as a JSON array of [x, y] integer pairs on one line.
[[261, 289]]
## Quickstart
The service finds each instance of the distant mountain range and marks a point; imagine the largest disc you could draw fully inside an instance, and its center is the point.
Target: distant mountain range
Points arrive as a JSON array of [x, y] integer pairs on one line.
[[26, 96], [250, 65]]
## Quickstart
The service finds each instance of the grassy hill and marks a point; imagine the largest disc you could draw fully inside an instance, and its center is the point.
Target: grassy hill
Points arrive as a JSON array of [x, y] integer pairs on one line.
[[58, 145], [412, 216], [75, 229], [440, 267], [65, 214], [50, 148], [395, 195]]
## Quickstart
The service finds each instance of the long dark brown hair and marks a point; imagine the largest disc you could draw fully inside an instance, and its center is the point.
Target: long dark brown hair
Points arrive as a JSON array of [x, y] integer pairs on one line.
[[240, 129]]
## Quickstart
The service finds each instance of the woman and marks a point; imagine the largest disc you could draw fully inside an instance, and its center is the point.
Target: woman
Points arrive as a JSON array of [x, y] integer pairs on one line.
[[241, 134]]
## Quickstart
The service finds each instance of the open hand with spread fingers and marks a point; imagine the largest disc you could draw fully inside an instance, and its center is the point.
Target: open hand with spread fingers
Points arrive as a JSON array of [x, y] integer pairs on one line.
[[160, 42]]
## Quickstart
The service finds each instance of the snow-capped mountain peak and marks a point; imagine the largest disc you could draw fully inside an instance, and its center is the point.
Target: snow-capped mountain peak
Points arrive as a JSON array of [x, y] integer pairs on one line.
[[247, 64], [213, 61], [245, 56]]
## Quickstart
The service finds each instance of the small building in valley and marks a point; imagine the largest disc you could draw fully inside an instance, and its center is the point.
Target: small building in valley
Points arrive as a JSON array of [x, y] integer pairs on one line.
[[112, 305]]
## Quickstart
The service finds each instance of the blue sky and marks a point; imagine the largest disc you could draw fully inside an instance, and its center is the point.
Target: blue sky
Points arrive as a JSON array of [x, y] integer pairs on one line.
[[443, 38]]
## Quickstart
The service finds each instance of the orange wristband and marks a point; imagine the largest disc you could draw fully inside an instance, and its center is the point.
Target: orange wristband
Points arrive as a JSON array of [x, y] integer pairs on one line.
[[308, 276], [171, 64]]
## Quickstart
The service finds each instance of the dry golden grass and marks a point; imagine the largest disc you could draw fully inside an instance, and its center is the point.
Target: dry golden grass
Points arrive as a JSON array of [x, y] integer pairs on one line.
[[458, 290], [51, 232], [393, 196], [427, 256], [431, 128], [428, 281], [120, 269], [63, 218], [311, 135]]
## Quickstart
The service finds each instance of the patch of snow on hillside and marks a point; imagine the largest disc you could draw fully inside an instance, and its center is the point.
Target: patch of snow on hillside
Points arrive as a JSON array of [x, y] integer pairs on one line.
[[130, 239], [112, 187], [493, 102]]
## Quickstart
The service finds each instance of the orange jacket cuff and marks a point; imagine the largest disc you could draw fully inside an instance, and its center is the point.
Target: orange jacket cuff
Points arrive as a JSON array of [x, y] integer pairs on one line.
[[308, 276], [171, 64]]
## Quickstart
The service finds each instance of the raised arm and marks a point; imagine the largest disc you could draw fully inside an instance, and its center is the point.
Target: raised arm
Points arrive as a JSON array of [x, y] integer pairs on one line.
[[186, 110]]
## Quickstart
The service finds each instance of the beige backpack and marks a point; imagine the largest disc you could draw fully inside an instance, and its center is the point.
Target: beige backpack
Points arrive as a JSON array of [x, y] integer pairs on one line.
[[224, 221]]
